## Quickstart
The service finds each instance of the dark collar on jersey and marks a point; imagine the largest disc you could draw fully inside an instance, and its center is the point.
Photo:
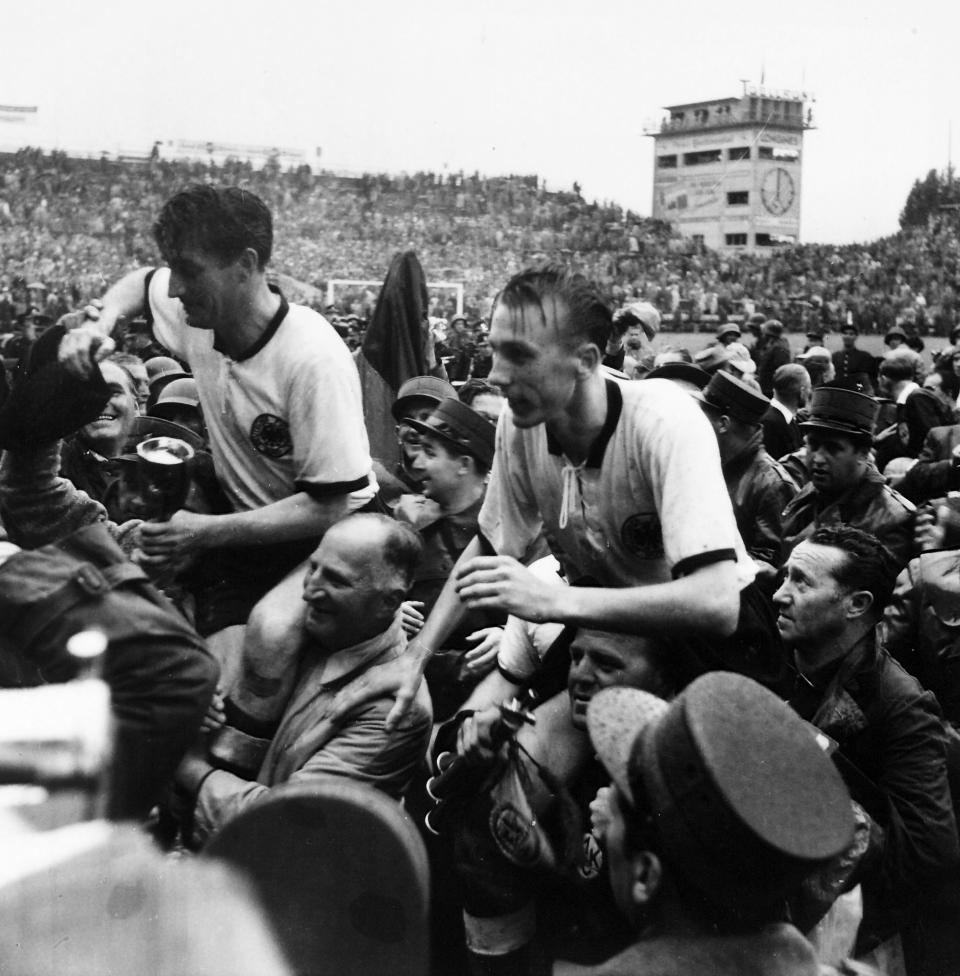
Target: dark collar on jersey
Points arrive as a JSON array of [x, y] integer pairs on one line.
[[268, 333], [599, 446]]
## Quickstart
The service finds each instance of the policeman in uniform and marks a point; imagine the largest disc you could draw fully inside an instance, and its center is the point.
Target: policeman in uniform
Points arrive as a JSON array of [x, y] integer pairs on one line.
[[845, 486]]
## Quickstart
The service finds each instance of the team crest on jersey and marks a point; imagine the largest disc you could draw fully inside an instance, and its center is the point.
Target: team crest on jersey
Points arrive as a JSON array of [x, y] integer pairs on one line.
[[515, 834], [591, 858], [641, 535], [271, 435]]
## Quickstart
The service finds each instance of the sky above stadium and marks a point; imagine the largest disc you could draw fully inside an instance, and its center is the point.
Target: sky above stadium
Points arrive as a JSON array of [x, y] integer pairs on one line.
[[558, 88]]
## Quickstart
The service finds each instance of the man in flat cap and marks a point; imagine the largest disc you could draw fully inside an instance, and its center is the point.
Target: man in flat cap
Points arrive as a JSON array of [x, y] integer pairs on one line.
[[890, 740], [758, 486], [417, 398], [845, 486], [721, 803]]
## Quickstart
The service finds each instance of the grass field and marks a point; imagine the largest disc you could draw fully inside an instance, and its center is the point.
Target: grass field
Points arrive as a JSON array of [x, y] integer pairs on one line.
[[873, 344]]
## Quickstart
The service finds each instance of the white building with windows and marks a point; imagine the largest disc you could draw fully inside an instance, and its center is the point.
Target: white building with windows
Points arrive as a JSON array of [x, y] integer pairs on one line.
[[727, 172]]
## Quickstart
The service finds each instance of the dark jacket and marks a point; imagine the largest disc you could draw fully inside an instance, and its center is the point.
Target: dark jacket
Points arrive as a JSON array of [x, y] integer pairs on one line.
[[770, 357], [779, 437], [890, 731], [921, 626], [934, 474], [856, 366], [759, 490], [921, 412], [871, 505]]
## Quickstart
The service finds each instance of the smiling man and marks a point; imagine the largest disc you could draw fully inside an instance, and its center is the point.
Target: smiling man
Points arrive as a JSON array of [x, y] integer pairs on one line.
[[356, 580], [86, 457], [500, 885], [845, 486]]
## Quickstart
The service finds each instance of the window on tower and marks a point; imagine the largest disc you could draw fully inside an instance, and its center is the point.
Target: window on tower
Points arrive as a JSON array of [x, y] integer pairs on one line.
[[703, 157], [736, 240], [738, 198], [667, 162], [740, 153]]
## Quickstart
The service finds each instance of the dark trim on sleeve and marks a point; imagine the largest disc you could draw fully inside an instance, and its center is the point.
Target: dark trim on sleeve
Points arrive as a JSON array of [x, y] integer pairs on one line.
[[692, 563], [514, 679], [331, 488], [486, 546]]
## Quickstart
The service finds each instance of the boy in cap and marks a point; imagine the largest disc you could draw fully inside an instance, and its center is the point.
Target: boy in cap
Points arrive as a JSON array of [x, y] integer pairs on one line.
[[845, 485], [758, 486], [722, 803], [417, 398], [456, 450]]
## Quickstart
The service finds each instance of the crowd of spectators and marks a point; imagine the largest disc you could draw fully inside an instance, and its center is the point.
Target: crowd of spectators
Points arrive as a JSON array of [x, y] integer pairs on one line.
[[75, 224], [662, 556]]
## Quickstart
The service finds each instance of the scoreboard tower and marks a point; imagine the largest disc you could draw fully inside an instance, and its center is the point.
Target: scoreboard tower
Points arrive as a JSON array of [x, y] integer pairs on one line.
[[727, 171]]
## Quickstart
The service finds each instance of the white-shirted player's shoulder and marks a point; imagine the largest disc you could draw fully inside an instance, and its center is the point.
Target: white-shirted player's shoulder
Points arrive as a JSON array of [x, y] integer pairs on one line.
[[658, 400], [311, 336]]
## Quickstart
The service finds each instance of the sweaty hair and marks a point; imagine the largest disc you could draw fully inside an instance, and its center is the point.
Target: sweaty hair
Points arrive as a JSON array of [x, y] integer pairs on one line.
[[222, 221], [867, 565], [589, 318]]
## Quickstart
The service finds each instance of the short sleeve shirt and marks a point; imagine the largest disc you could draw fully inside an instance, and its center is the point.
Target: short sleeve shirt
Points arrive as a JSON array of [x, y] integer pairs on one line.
[[649, 504], [285, 417]]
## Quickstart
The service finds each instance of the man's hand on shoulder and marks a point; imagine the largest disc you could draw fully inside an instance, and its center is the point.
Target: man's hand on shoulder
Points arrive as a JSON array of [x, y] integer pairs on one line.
[[400, 676]]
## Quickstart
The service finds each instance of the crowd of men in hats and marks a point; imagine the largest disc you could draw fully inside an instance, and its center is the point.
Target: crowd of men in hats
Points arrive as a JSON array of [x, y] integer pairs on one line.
[[690, 656]]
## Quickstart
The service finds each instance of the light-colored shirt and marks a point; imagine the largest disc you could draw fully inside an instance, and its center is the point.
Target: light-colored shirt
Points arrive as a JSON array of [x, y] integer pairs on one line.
[[285, 417], [648, 504]]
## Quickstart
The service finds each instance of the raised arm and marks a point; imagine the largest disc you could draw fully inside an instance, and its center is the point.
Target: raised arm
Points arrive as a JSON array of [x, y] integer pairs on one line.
[[90, 340]]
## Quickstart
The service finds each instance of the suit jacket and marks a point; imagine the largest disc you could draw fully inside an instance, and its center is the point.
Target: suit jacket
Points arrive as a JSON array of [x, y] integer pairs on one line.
[[779, 437], [934, 474], [308, 745]]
